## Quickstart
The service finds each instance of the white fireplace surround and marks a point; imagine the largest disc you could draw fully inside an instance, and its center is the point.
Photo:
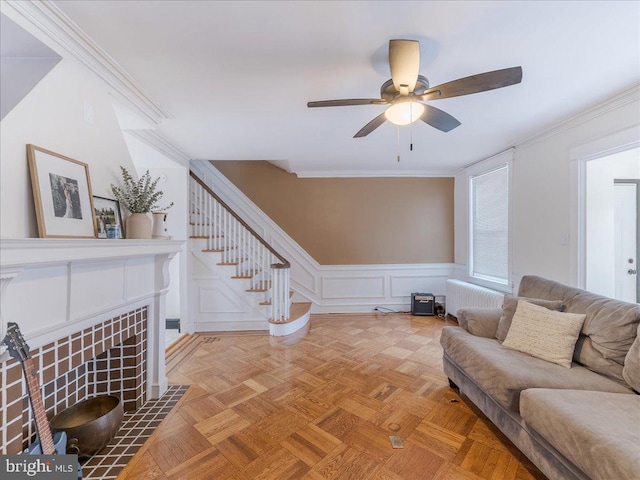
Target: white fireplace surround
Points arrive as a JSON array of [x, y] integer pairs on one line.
[[56, 287]]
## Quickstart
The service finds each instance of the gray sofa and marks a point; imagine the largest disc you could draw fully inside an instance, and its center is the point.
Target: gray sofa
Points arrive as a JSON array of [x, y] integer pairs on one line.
[[581, 422]]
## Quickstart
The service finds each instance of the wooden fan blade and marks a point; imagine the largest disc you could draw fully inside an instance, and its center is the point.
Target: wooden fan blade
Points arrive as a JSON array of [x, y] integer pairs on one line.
[[371, 126], [348, 102], [438, 119], [404, 63], [474, 84]]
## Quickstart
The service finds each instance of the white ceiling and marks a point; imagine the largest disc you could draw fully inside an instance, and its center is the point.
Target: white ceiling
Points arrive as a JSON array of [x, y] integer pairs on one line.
[[236, 76]]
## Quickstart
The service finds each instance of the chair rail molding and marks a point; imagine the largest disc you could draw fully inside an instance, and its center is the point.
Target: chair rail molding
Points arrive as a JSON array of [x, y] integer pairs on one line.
[[331, 288]]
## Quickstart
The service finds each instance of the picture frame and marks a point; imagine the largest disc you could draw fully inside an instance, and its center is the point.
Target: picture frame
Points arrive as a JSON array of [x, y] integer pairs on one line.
[[61, 194], [108, 214]]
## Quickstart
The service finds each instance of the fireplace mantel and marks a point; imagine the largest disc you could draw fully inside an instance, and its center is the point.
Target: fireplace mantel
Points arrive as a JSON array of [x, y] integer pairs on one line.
[[37, 252], [56, 287]]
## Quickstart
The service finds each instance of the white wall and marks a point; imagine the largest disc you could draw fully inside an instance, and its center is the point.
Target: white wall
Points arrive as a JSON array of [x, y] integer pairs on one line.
[[51, 117], [173, 183], [544, 184]]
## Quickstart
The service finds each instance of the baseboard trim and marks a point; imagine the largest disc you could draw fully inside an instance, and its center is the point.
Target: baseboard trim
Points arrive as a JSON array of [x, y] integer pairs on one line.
[[231, 326]]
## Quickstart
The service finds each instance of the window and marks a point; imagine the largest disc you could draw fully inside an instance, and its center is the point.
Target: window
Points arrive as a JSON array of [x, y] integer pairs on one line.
[[489, 226]]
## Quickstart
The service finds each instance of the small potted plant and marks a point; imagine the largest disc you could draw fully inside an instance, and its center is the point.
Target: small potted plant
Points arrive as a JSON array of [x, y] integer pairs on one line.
[[140, 198]]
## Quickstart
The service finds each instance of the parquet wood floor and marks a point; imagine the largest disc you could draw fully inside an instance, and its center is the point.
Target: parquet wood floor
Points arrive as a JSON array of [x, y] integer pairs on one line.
[[321, 406]]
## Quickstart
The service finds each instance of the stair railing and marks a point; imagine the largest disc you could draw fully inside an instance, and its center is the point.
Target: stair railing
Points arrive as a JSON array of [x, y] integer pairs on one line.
[[240, 245]]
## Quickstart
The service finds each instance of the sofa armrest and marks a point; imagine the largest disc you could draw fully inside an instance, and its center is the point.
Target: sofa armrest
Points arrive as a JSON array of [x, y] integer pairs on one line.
[[481, 322]]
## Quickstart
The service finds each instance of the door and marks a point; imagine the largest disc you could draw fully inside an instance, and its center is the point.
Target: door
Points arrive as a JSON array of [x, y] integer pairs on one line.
[[626, 240]]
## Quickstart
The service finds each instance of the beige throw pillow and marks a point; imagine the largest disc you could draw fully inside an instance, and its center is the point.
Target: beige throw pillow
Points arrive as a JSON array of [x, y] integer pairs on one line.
[[544, 333], [509, 308]]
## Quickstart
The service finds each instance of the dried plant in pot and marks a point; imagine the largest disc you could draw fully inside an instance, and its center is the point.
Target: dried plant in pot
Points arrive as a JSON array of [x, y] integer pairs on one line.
[[139, 197]]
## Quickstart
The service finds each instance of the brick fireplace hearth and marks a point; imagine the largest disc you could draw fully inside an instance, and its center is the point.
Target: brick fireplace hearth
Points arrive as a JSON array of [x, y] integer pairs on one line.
[[107, 358]]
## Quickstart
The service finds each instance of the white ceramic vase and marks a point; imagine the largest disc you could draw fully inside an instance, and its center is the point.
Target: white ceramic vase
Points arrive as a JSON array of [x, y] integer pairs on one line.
[[159, 226], [139, 226]]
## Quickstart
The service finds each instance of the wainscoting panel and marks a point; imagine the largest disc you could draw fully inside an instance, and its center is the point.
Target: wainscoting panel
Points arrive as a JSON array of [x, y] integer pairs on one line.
[[361, 288], [87, 297], [217, 298], [405, 285], [44, 299], [353, 287]]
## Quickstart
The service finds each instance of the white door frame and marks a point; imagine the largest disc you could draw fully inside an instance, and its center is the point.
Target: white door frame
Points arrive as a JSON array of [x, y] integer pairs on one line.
[[579, 156]]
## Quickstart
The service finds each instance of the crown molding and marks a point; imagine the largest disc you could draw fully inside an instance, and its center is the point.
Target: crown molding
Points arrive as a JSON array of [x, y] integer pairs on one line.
[[370, 173], [602, 108], [157, 142], [57, 26]]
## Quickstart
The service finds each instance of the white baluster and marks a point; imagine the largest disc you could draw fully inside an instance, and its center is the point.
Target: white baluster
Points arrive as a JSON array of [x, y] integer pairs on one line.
[[216, 224], [196, 209], [287, 286], [225, 230]]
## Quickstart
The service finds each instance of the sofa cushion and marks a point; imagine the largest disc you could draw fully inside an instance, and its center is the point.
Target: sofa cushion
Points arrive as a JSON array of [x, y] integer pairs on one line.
[[609, 328], [539, 287], [509, 309], [478, 321], [631, 370], [597, 431], [503, 373], [544, 333]]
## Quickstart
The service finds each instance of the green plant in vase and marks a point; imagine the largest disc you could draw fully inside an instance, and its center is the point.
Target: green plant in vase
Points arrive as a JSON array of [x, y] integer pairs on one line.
[[139, 197]]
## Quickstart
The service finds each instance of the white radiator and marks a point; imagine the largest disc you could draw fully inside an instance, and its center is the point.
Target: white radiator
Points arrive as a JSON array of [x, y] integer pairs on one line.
[[464, 294]]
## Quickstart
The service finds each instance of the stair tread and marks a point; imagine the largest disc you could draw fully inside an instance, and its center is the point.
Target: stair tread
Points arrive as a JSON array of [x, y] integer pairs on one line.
[[218, 250], [298, 309], [249, 274], [201, 224], [235, 262], [268, 302]]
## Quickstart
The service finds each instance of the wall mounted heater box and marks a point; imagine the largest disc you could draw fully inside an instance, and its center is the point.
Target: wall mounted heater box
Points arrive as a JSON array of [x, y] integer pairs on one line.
[[422, 304]]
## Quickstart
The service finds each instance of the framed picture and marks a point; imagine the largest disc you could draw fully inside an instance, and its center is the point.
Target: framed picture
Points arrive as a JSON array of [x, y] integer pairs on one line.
[[108, 218], [62, 195]]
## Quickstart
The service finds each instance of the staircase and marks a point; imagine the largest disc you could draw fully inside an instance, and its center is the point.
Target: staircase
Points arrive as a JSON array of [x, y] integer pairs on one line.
[[241, 266]]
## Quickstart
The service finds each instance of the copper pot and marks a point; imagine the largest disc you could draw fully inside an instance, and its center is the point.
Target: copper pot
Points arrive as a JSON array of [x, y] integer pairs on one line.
[[90, 424]]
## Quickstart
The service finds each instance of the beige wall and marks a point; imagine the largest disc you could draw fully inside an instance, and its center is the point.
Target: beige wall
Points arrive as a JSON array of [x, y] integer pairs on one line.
[[351, 221]]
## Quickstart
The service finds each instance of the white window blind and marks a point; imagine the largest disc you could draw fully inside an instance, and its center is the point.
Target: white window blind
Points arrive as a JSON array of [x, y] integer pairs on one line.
[[489, 227]]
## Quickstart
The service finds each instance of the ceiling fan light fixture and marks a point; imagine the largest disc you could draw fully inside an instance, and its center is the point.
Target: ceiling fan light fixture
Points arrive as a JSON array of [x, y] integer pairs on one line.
[[404, 113]]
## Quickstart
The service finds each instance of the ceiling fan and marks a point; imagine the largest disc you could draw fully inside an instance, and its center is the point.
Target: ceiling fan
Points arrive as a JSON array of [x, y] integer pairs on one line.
[[406, 89]]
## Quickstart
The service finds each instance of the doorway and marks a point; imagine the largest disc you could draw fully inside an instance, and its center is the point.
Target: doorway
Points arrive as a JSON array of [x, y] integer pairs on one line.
[[611, 225]]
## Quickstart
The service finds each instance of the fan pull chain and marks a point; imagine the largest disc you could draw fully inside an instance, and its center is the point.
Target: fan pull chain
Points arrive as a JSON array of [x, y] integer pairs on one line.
[[410, 128], [411, 137], [398, 130]]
